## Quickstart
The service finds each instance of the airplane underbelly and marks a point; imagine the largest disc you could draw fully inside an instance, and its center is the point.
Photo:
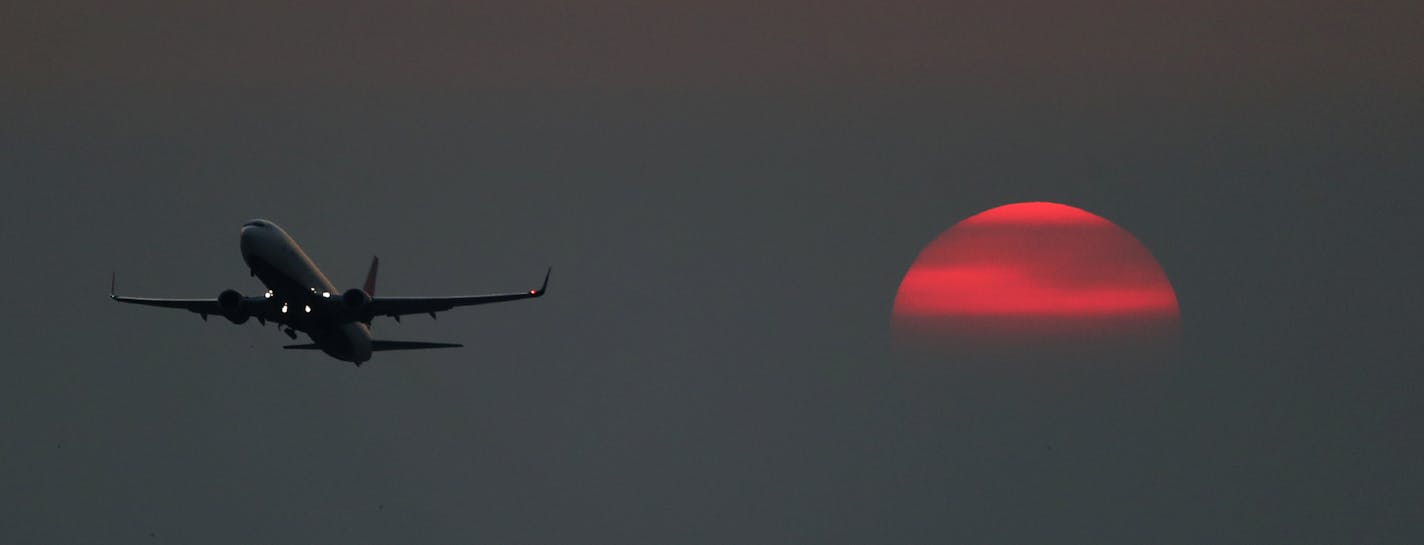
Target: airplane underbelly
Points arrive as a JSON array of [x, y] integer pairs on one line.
[[346, 342]]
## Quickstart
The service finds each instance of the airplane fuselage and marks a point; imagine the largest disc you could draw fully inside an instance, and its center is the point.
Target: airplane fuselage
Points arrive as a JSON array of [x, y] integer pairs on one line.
[[304, 298]]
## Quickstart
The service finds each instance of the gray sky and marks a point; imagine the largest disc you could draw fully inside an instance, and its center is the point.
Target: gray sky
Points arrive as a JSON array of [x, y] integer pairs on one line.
[[729, 194]]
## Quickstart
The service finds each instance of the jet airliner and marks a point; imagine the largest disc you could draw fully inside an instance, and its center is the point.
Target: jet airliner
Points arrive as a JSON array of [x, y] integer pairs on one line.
[[300, 298]]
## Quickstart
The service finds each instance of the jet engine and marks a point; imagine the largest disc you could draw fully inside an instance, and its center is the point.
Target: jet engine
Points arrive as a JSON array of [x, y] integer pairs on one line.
[[231, 303], [355, 299]]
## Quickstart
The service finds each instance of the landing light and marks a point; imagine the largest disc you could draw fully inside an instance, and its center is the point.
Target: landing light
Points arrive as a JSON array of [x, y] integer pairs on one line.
[[306, 308], [268, 294], [284, 308], [326, 294]]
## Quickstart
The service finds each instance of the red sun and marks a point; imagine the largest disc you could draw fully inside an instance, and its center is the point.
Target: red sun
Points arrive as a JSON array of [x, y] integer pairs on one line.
[[1039, 274]]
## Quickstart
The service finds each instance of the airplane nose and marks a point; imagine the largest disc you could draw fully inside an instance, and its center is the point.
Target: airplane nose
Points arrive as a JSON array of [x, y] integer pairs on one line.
[[248, 239]]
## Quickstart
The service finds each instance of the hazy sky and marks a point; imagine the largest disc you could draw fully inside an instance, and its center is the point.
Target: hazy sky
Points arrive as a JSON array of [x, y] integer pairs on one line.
[[729, 193]]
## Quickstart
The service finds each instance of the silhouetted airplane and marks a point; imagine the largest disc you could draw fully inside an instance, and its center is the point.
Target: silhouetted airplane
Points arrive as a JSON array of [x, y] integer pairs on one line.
[[300, 298]]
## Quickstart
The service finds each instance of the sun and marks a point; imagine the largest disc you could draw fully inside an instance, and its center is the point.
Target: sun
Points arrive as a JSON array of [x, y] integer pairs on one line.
[[1034, 273]]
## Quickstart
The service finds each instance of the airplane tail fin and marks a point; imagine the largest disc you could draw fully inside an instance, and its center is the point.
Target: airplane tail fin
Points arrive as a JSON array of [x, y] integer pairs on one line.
[[370, 285]]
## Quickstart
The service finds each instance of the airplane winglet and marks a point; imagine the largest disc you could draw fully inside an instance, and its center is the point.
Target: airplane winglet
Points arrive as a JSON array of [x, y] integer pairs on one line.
[[545, 286], [113, 285]]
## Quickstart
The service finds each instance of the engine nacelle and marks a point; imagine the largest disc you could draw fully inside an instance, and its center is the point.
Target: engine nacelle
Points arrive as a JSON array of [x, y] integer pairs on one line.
[[355, 299], [231, 303]]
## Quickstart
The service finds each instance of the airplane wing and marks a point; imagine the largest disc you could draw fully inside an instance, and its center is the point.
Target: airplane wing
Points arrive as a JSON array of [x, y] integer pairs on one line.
[[200, 306], [397, 306]]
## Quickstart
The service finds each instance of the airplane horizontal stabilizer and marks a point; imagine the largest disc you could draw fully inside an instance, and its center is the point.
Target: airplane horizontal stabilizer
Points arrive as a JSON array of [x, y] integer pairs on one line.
[[377, 346]]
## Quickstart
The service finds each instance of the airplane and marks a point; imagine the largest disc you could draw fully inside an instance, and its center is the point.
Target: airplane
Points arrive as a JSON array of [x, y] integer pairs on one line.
[[300, 298]]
